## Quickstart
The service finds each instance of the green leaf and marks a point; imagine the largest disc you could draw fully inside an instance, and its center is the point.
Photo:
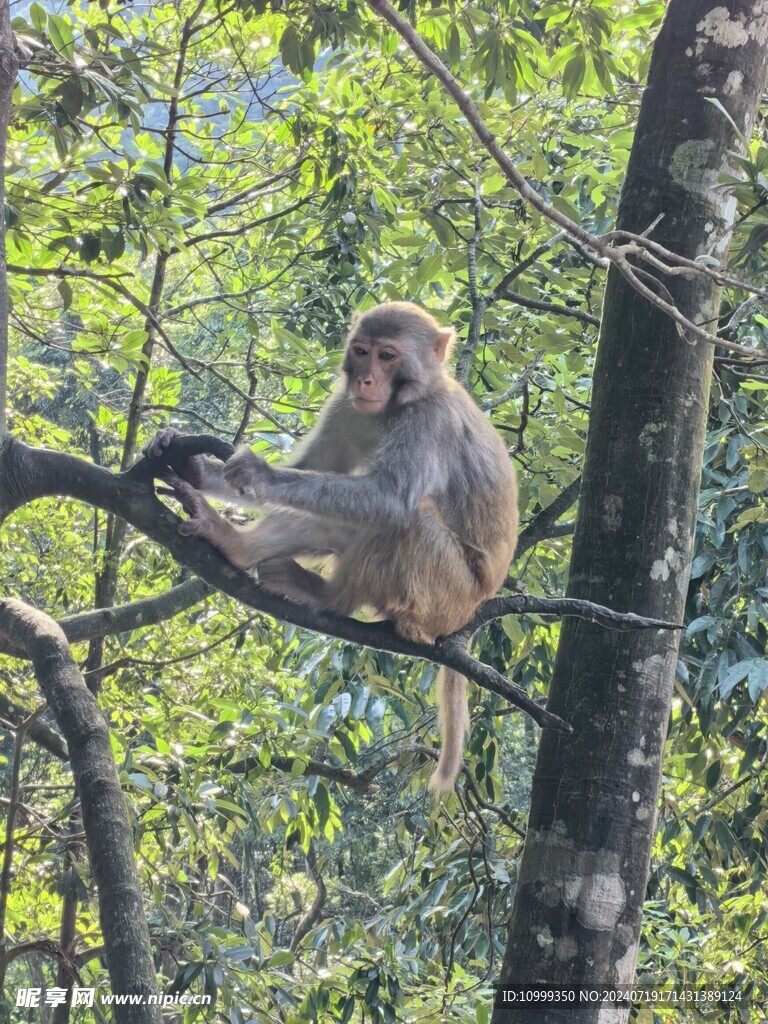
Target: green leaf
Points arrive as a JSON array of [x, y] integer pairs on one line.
[[90, 247], [323, 804], [290, 50], [699, 624], [282, 958], [61, 36], [758, 514], [701, 828], [65, 291], [714, 772], [735, 674], [129, 341], [37, 16], [70, 95], [757, 680], [411, 242], [573, 74], [453, 44], [140, 780]]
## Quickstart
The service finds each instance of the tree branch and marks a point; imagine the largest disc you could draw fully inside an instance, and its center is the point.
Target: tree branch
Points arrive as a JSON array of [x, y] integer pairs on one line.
[[606, 246], [208, 236], [496, 400], [540, 526], [30, 473], [123, 618], [341, 776], [39, 732], [246, 194], [549, 307], [105, 817], [523, 265]]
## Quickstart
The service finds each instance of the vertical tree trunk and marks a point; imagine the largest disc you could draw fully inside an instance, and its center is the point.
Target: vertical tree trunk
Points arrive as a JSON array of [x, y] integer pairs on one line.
[[585, 865], [9, 66]]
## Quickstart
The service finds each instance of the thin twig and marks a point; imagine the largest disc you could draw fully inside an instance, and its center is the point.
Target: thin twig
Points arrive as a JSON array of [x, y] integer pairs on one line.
[[638, 245], [516, 386]]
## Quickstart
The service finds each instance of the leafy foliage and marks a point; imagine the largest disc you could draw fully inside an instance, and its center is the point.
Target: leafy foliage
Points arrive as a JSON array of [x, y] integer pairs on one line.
[[199, 195]]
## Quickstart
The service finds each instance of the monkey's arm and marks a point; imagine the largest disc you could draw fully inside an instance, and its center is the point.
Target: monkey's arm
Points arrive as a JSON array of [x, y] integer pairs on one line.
[[205, 475], [336, 444], [389, 494]]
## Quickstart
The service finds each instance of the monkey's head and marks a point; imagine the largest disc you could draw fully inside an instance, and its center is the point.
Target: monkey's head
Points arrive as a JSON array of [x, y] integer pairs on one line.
[[395, 355]]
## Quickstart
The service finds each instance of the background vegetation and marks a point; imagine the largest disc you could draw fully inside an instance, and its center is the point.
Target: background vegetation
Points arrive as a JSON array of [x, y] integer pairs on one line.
[[198, 197]]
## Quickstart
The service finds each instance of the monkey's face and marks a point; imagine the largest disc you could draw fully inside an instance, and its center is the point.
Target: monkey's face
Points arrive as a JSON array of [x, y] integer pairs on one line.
[[373, 370]]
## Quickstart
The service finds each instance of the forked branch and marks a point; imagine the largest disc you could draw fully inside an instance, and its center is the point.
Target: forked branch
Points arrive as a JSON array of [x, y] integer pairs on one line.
[[615, 247], [29, 473]]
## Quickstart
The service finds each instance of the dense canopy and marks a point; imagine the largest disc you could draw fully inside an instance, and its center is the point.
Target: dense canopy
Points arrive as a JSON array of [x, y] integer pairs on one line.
[[198, 195]]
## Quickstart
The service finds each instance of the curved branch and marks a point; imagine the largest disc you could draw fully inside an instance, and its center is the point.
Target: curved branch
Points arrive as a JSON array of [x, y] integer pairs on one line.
[[550, 307], [42, 947], [123, 618], [105, 816], [29, 473], [39, 732], [516, 386], [616, 246], [526, 604]]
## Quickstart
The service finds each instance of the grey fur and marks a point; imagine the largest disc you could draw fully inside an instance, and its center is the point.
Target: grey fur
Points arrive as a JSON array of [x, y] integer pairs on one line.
[[418, 503]]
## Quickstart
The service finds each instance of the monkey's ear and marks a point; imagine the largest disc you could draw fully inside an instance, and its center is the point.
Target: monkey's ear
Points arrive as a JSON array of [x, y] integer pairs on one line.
[[443, 343]]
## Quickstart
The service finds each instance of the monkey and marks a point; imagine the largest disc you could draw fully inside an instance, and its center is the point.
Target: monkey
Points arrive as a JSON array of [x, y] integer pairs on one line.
[[402, 480]]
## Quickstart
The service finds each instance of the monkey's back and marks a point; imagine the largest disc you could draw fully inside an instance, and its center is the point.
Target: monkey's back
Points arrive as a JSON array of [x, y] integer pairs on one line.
[[479, 502]]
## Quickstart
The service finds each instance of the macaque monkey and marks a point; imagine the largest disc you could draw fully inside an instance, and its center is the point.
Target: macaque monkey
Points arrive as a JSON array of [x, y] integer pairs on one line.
[[402, 479]]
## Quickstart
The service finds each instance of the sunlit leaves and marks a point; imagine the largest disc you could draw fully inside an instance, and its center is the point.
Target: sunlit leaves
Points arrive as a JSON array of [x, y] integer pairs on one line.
[[316, 169], [61, 35]]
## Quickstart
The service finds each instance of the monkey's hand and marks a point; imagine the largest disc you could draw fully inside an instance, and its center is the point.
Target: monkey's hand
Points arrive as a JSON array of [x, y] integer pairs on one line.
[[192, 470], [247, 473], [204, 521]]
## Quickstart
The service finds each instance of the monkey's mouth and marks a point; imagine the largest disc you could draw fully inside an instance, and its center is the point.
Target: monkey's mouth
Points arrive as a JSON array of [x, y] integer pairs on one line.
[[368, 404]]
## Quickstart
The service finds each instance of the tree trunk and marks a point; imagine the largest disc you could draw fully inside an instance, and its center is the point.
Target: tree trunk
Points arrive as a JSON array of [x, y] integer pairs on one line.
[[576, 919], [105, 815], [9, 66]]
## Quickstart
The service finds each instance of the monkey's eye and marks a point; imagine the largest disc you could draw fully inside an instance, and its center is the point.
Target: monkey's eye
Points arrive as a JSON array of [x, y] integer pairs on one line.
[[386, 357], [360, 351]]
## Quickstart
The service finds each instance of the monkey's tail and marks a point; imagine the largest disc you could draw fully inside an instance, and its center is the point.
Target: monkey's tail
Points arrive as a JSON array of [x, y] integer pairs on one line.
[[453, 716]]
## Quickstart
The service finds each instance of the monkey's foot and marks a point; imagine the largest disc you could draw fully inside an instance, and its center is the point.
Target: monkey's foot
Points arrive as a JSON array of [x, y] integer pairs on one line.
[[204, 521], [155, 449]]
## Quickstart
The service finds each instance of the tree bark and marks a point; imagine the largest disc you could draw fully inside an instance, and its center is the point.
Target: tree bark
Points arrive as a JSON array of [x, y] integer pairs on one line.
[[9, 66], [577, 914], [105, 816]]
